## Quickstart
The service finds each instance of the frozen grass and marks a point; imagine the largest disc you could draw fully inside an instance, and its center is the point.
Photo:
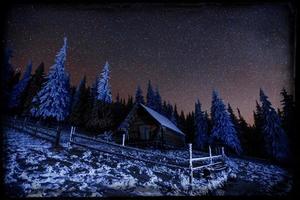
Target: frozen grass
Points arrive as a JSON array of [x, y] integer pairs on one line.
[[35, 169]]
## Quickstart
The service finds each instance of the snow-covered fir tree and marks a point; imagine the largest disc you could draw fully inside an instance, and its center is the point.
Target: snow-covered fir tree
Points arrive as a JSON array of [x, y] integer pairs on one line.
[[201, 129], [276, 141], [233, 117], [150, 96], [222, 127], [103, 86], [139, 98], [53, 99], [18, 90]]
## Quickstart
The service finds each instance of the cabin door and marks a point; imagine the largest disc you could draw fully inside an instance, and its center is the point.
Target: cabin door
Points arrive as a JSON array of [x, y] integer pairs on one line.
[[144, 132]]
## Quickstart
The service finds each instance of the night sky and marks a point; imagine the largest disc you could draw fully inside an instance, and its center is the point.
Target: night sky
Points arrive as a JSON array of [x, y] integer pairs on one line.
[[185, 51]]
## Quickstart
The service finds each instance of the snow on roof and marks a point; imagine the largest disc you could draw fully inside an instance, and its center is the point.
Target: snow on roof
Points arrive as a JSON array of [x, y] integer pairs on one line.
[[162, 120]]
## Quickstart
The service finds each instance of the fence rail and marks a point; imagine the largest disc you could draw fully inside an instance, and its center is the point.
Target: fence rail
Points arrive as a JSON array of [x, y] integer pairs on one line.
[[209, 158]]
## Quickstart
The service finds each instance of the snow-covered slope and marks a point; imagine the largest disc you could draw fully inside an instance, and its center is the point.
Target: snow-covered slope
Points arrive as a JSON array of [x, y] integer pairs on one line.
[[34, 168]]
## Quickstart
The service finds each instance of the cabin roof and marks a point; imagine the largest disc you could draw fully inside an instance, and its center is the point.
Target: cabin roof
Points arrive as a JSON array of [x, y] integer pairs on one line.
[[162, 119]]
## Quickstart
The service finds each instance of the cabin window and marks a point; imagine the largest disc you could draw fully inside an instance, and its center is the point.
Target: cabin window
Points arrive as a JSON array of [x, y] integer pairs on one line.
[[145, 132]]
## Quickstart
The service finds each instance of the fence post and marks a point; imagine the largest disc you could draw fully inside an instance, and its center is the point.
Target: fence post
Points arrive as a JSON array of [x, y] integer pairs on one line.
[[210, 154], [70, 139], [191, 163], [57, 139], [223, 153], [123, 140]]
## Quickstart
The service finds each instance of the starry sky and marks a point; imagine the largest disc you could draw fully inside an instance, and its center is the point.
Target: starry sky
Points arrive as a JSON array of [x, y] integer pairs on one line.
[[186, 51]]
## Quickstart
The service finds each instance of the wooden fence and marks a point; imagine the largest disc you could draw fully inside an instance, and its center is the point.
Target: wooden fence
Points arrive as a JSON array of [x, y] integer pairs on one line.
[[122, 150], [210, 158]]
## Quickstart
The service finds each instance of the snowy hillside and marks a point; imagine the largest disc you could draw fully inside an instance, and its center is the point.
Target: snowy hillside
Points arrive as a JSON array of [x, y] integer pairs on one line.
[[35, 168]]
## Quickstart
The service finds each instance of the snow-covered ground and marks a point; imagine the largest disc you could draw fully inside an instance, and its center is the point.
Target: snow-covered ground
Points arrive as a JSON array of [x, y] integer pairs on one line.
[[34, 168]]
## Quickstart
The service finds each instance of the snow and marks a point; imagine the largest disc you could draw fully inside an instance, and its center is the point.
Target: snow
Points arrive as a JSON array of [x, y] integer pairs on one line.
[[162, 120], [35, 169]]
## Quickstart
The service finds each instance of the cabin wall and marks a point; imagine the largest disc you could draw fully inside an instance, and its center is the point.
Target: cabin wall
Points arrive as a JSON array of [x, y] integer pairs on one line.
[[143, 128], [139, 123], [172, 138]]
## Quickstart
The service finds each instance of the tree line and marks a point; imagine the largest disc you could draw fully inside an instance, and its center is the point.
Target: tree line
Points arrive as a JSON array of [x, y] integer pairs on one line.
[[51, 98]]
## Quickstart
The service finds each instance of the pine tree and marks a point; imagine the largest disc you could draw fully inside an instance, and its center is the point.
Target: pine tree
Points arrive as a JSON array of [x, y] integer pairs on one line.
[[53, 98], [189, 128], [103, 86], [169, 110], [88, 108], [223, 129], [288, 113], [173, 118], [139, 98], [129, 104], [100, 118], [150, 96], [7, 74], [158, 103], [209, 123], [175, 114], [119, 111], [19, 89], [79, 92], [257, 132], [8, 70], [164, 108], [80, 98], [276, 140], [245, 134], [234, 119], [181, 122], [34, 86], [201, 129], [94, 89]]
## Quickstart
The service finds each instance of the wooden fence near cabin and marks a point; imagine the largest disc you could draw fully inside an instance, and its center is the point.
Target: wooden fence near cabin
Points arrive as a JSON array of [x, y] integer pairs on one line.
[[122, 150]]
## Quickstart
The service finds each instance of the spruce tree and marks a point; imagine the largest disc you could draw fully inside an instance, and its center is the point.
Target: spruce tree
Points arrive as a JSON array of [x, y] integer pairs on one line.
[[53, 98], [164, 108], [181, 122], [234, 119], [7, 74], [103, 86], [276, 140], [119, 111], [139, 98], [258, 136], [19, 89], [101, 118], [38, 78], [246, 135], [80, 98], [158, 102], [288, 113], [201, 129], [150, 96], [223, 129], [175, 114]]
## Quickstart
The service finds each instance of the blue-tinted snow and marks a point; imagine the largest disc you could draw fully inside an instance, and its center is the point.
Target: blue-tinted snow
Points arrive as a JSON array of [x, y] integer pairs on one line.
[[35, 169], [162, 120]]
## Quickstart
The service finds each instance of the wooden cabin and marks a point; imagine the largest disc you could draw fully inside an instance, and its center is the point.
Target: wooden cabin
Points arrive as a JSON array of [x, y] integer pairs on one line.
[[143, 127]]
